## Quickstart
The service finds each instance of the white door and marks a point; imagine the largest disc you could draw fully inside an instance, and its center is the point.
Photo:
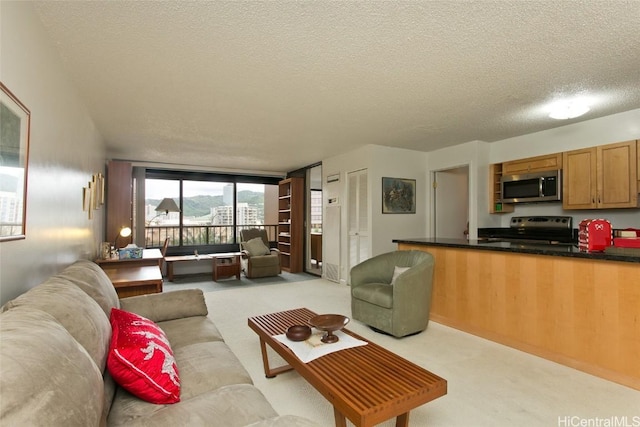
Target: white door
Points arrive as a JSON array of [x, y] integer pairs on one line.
[[358, 217], [451, 203]]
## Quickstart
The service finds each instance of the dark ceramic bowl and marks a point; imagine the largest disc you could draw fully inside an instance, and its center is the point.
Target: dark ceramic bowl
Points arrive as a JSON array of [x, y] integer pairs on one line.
[[298, 332], [329, 322]]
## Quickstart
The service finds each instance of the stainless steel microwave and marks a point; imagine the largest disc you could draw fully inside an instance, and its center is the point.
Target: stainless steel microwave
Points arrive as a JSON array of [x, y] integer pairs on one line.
[[532, 187]]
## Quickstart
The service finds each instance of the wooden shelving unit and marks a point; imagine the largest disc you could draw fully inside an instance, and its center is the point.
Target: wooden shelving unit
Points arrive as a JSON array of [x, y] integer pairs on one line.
[[119, 201], [291, 224], [496, 206]]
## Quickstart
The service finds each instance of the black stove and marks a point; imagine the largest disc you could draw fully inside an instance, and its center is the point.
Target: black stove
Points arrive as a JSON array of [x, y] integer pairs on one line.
[[555, 230]]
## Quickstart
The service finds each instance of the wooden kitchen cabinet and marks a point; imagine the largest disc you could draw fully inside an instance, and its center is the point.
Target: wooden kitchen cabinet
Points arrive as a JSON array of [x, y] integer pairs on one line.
[[638, 162], [290, 224], [533, 164], [603, 177], [495, 198]]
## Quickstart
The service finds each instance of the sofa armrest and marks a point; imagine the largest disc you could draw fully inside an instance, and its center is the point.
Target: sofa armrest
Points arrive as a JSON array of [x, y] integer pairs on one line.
[[167, 305]]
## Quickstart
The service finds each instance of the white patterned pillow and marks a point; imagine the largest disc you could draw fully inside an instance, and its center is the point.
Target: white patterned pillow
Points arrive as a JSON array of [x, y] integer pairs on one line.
[[396, 272]]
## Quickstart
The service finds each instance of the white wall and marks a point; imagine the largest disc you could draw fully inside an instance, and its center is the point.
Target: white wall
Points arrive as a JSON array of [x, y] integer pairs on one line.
[[605, 130], [379, 162], [396, 163], [65, 150]]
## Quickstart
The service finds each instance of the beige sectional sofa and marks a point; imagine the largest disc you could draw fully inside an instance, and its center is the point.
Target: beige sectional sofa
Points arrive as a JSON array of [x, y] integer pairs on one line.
[[54, 344]]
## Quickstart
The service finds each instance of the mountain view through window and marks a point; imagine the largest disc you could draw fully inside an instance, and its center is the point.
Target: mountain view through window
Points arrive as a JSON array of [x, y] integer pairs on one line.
[[212, 212]]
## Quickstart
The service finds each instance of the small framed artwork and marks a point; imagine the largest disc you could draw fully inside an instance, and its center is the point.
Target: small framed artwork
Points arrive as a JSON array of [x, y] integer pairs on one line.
[[398, 196], [14, 158]]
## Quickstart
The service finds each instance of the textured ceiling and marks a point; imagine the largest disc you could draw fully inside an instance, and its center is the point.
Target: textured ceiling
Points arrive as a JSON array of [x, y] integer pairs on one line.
[[277, 85]]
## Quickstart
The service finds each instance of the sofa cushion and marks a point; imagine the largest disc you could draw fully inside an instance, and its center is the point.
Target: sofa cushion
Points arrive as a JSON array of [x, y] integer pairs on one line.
[[167, 305], [256, 247], [141, 359], [231, 406], [269, 261], [46, 377], [204, 368], [75, 310], [208, 366], [190, 330], [284, 421], [110, 387], [89, 277]]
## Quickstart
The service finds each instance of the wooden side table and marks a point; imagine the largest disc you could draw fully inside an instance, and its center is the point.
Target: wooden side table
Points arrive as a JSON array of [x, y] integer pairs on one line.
[[130, 280], [171, 260], [226, 264]]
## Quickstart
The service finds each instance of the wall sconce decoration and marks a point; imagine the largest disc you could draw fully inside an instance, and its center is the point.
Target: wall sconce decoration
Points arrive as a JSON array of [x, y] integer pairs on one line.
[[93, 194], [100, 184], [86, 200]]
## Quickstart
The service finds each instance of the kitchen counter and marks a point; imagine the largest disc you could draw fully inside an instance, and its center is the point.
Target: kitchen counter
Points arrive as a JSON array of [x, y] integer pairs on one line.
[[534, 248], [574, 308]]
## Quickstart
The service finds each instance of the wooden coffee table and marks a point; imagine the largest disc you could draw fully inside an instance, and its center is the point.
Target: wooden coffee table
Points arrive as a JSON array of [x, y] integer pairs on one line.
[[366, 384]]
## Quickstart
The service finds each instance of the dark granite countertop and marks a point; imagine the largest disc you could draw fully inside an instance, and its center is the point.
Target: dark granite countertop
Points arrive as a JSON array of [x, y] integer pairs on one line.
[[536, 249]]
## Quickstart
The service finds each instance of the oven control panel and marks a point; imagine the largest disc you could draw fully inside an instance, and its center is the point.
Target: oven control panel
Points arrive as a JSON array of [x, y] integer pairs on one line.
[[564, 222]]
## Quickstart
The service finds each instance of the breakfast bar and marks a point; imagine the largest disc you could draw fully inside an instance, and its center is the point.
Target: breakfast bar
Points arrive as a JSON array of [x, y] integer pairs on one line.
[[575, 308]]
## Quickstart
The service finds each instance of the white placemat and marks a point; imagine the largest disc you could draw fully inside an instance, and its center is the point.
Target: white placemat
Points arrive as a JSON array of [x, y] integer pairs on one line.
[[313, 347]]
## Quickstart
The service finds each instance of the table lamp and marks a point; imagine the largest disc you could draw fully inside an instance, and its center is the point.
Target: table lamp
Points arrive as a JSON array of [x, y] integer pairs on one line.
[[124, 232]]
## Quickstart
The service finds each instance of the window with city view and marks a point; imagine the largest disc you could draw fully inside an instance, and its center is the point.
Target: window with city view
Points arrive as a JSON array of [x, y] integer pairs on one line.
[[212, 212], [316, 211]]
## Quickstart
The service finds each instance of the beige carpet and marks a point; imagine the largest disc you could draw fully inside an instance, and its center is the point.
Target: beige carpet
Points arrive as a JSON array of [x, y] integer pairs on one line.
[[488, 384]]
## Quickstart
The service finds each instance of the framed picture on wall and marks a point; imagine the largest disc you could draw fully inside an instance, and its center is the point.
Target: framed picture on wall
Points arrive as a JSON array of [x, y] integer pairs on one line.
[[398, 196], [14, 154]]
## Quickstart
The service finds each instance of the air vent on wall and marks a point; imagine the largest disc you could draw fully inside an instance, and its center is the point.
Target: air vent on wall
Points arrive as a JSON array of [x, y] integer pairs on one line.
[[332, 272]]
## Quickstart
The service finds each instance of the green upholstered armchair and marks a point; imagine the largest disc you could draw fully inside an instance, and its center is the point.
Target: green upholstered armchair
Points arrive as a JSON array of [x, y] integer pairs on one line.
[[258, 260], [401, 308]]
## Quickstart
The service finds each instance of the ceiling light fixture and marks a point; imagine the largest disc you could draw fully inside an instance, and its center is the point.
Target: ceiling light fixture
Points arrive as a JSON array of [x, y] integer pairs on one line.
[[563, 110]]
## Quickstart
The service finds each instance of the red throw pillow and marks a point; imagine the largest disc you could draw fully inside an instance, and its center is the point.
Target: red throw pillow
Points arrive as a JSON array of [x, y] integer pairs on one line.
[[140, 358]]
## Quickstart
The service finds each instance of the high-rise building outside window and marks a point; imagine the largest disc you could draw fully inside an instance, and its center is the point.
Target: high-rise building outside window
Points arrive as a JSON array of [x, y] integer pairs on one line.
[[212, 213]]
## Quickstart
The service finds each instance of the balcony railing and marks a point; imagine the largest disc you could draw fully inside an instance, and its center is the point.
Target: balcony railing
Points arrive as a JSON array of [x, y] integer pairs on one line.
[[201, 235]]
